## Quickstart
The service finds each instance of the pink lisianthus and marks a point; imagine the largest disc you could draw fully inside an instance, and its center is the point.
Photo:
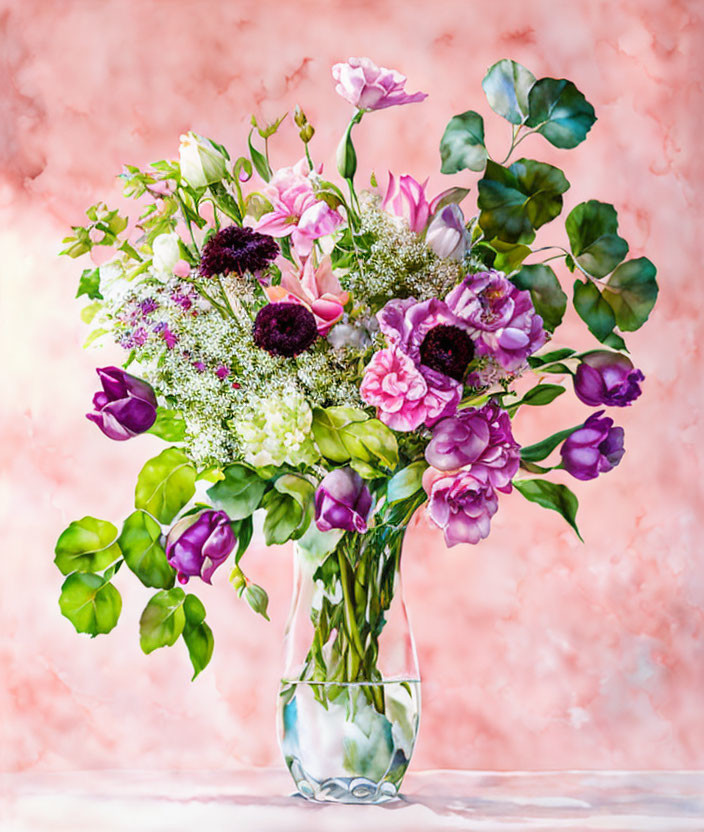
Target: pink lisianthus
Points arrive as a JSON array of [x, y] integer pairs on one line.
[[318, 289], [461, 503], [370, 87], [296, 209]]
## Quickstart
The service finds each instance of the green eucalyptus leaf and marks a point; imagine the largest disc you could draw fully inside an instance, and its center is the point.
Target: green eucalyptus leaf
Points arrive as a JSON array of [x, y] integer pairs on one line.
[[550, 495], [462, 144], [89, 284], [631, 292], [406, 482], [91, 603], [507, 85], [560, 112], [546, 293], [87, 545], [165, 484], [162, 620], [591, 307], [169, 425], [239, 492], [517, 200], [200, 643], [592, 230], [140, 541], [541, 450]]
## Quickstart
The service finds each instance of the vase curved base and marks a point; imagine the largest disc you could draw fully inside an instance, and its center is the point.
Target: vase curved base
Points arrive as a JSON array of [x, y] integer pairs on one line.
[[342, 789]]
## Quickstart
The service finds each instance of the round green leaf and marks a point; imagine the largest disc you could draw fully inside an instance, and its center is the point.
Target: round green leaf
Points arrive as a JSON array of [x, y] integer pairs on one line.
[[165, 484], [506, 86], [87, 545], [239, 492], [560, 112], [162, 620], [462, 144], [546, 293], [631, 293], [593, 309], [91, 603], [591, 227], [140, 541]]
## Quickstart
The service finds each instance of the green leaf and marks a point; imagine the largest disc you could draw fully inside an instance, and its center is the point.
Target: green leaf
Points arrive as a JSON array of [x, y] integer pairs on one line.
[[243, 530], [615, 341], [546, 293], [631, 292], [506, 86], [259, 160], [257, 599], [87, 545], [200, 643], [170, 425], [365, 470], [165, 484], [320, 543], [406, 482], [226, 202], [462, 144], [591, 228], [560, 112], [540, 395], [162, 620], [140, 541], [289, 509], [89, 284], [193, 610], [541, 450], [89, 312], [91, 603], [239, 493], [515, 201], [372, 438], [593, 309], [509, 256], [549, 357], [550, 495]]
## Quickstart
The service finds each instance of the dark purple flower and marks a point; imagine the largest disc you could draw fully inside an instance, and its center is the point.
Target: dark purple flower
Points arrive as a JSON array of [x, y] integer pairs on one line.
[[125, 407], [342, 501], [235, 249], [462, 503], [506, 323], [447, 349], [199, 543], [285, 328], [477, 437], [594, 448], [608, 378]]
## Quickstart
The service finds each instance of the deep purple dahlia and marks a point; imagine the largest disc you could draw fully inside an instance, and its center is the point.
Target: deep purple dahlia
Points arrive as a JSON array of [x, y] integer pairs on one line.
[[447, 349], [235, 249], [285, 329]]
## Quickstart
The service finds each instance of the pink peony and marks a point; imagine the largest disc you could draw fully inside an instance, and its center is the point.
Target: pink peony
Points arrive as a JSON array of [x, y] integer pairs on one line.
[[296, 209], [462, 503], [370, 87], [318, 289]]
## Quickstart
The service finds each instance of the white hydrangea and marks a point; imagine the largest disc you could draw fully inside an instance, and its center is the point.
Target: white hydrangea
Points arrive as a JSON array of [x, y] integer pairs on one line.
[[278, 431]]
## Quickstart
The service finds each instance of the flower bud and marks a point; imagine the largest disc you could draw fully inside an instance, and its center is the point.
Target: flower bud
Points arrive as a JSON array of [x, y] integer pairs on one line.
[[199, 543], [166, 252], [342, 501], [593, 449], [306, 133], [125, 407], [608, 378], [201, 162], [299, 117]]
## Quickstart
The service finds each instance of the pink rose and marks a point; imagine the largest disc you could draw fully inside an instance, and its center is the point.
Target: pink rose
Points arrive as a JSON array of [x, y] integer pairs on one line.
[[370, 87]]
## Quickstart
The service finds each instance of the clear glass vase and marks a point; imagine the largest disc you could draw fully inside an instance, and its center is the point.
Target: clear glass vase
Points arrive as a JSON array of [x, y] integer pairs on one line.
[[349, 703]]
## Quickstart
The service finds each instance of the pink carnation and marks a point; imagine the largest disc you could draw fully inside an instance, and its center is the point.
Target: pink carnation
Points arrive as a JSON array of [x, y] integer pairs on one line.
[[370, 87]]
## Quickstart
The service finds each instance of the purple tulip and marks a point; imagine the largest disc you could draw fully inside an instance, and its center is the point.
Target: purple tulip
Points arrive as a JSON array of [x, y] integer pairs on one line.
[[199, 543], [125, 407], [342, 501], [608, 378], [594, 448], [462, 503]]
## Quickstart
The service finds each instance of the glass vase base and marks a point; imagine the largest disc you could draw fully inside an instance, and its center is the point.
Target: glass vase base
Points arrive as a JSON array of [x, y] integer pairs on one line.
[[342, 789]]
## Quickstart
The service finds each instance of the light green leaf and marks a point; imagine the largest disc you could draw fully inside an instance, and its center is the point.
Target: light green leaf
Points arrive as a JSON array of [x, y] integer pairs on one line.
[[140, 541], [165, 484], [546, 293], [162, 620], [169, 425], [591, 307], [239, 493], [89, 284], [406, 482], [91, 603], [344, 433], [509, 256], [200, 643], [462, 144], [506, 86], [560, 112], [591, 227], [550, 495], [259, 160], [631, 292], [87, 545]]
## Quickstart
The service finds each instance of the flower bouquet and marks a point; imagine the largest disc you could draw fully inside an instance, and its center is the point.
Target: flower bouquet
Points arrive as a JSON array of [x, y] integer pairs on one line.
[[328, 358]]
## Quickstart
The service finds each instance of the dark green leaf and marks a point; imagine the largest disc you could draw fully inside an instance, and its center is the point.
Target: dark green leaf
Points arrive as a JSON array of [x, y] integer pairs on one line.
[[239, 493], [406, 482], [550, 495], [591, 228], [631, 292], [165, 484], [193, 610], [89, 284], [162, 620], [91, 603], [546, 293], [243, 530], [170, 425], [593, 309], [462, 144], [200, 642], [615, 341], [140, 541], [541, 450], [560, 112], [226, 202], [548, 357], [539, 395], [506, 86], [87, 545], [515, 201]]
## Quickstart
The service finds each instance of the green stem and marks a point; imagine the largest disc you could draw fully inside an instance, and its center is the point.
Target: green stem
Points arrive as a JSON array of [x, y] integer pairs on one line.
[[350, 622], [228, 305], [310, 161], [188, 222], [221, 309]]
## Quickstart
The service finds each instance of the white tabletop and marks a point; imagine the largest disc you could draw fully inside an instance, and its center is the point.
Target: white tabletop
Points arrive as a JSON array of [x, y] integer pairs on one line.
[[262, 800]]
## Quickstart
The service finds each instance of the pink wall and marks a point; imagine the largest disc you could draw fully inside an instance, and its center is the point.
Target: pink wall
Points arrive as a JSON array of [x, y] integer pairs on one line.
[[536, 651]]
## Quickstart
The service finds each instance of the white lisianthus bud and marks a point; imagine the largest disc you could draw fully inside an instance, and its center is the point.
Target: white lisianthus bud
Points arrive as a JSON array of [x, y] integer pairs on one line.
[[165, 252], [447, 235], [201, 162]]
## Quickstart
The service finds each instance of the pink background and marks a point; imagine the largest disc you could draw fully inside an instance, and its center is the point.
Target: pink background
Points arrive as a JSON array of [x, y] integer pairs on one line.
[[536, 651]]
